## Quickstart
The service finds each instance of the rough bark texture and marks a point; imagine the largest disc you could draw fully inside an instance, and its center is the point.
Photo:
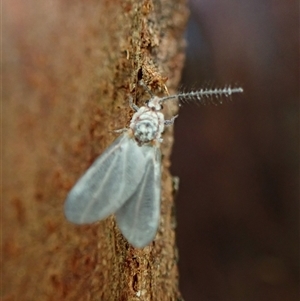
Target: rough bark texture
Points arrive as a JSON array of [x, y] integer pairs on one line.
[[69, 67]]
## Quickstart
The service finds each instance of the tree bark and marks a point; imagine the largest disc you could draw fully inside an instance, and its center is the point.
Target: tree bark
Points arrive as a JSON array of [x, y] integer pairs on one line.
[[68, 71]]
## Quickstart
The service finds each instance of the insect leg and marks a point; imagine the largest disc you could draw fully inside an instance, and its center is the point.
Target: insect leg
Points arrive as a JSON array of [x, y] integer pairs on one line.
[[132, 105], [170, 121], [142, 83], [120, 131]]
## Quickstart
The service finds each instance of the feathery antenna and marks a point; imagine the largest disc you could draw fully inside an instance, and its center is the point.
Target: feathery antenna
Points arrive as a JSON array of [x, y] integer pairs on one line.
[[203, 95]]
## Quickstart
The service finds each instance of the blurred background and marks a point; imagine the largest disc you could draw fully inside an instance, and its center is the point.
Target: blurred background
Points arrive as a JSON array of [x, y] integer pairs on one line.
[[237, 207], [238, 163]]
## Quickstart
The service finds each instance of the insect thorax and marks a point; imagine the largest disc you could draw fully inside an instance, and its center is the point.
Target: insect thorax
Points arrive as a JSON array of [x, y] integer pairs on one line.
[[147, 125]]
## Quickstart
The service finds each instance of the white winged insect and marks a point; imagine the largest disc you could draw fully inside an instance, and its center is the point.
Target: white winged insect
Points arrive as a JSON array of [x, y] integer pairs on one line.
[[125, 179]]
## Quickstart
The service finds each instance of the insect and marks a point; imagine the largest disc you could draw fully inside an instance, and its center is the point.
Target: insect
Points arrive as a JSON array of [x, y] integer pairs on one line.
[[125, 179]]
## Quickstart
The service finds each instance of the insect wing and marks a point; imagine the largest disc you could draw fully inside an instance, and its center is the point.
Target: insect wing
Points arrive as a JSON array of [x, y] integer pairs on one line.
[[138, 218], [108, 183]]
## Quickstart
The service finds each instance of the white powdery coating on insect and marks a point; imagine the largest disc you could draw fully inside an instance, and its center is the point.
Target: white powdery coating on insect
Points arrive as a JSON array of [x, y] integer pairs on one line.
[[147, 125], [138, 218], [125, 179], [107, 184]]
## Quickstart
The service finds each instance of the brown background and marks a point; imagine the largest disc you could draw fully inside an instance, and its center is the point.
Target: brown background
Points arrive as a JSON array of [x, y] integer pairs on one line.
[[69, 68], [237, 206], [238, 202]]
